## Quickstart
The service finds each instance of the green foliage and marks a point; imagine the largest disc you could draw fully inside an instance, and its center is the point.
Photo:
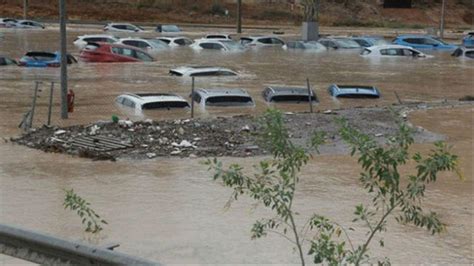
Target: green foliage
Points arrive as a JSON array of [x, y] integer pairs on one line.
[[89, 217], [274, 183]]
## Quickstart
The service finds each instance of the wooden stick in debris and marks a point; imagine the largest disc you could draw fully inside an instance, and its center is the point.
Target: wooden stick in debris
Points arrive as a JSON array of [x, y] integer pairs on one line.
[[309, 96]]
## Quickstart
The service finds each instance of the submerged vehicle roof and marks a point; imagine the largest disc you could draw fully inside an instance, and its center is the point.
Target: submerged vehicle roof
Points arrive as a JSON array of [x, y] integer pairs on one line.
[[353, 91], [287, 93], [197, 70]]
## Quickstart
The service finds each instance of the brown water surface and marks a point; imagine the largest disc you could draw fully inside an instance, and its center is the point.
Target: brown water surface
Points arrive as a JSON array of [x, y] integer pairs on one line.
[[169, 210]]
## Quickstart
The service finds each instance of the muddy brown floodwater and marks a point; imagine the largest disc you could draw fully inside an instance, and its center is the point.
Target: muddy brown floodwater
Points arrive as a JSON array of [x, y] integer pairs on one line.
[[169, 210]]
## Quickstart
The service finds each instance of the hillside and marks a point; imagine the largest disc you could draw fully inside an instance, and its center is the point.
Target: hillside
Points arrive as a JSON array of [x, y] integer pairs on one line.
[[425, 13]]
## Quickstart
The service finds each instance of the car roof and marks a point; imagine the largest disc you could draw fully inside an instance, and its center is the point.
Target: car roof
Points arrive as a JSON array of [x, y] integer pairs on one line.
[[172, 38], [288, 90], [215, 92], [388, 46], [96, 35], [415, 36], [41, 53], [149, 97], [194, 69]]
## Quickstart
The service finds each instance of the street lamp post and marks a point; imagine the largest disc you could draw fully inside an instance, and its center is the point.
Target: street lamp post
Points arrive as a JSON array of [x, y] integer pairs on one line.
[[62, 26]]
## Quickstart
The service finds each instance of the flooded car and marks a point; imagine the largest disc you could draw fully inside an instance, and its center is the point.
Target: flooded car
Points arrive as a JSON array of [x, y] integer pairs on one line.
[[7, 22], [288, 94], [222, 97], [217, 44], [176, 41], [44, 59], [28, 24], [137, 102], [111, 52], [6, 61], [302, 45], [81, 41], [423, 42], [392, 51], [464, 52], [123, 27], [262, 41], [353, 91], [339, 43], [149, 45], [202, 71], [167, 28]]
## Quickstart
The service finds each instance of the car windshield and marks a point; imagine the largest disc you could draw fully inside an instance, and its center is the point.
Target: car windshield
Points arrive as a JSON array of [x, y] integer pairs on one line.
[[170, 28], [40, 56], [292, 98], [441, 41], [138, 27], [233, 46], [158, 44], [313, 45], [229, 101], [346, 43]]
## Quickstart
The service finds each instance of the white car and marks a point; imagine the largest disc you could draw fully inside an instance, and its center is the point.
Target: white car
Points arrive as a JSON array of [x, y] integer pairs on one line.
[[28, 24], [176, 41], [391, 50], [222, 97], [217, 44], [149, 45], [188, 71], [222, 36], [262, 41], [122, 27], [464, 52], [146, 101], [7, 22], [81, 41]]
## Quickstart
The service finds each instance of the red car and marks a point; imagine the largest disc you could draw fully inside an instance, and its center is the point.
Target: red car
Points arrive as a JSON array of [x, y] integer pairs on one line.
[[101, 52]]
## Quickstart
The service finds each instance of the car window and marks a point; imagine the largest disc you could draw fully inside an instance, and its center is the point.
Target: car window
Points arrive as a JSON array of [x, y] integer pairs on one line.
[[130, 27], [120, 27], [470, 54], [245, 40], [277, 41], [204, 73], [128, 103], [366, 52], [229, 100], [265, 40], [119, 100], [129, 52], [144, 57], [166, 104], [414, 40], [183, 42], [197, 98], [409, 52], [166, 41], [391, 52], [216, 37], [117, 50], [215, 46], [362, 43], [3, 61], [428, 41]]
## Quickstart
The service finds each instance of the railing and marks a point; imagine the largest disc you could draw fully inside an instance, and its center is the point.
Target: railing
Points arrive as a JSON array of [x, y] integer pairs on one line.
[[48, 250]]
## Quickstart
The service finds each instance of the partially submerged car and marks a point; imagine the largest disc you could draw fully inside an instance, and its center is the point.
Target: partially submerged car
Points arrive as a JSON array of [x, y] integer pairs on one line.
[[262, 41], [81, 41], [149, 45], [147, 101], [202, 71], [28, 24], [391, 50], [217, 44], [369, 41], [6, 61], [7, 22], [176, 41], [222, 97], [288, 94], [44, 59], [351, 91], [468, 39], [339, 43], [112, 52], [464, 52], [423, 42], [123, 27], [302, 45], [167, 28]]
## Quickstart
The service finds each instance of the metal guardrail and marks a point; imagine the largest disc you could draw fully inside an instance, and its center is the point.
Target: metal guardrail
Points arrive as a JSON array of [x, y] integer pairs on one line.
[[48, 250]]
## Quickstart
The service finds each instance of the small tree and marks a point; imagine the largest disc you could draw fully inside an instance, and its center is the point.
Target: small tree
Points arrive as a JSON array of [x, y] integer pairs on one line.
[[89, 217], [275, 182]]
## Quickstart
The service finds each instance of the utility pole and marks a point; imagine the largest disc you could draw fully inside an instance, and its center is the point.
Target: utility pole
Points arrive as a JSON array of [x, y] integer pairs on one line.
[[441, 24], [62, 26], [239, 16], [25, 9]]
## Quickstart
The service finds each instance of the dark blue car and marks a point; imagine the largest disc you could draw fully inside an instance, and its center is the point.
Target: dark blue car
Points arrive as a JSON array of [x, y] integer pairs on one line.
[[423, 42], [44, 59]]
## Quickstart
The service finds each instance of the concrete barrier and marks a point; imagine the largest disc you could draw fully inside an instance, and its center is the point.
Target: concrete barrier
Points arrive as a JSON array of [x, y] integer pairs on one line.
[[48, 250]]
